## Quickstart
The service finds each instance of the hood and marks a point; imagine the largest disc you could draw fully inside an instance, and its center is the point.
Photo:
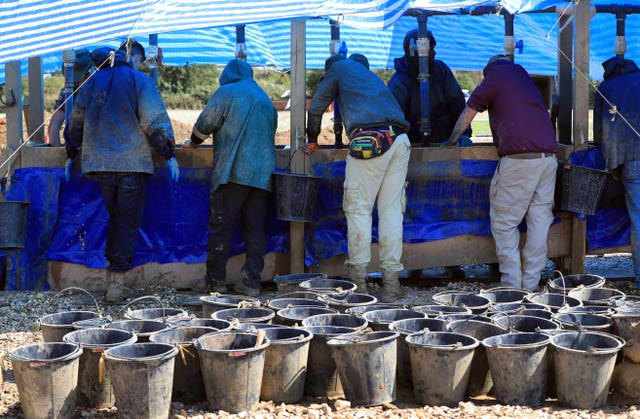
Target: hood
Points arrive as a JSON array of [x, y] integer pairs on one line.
[[405, 65], [616, 66], [235, 71], [100, 55]]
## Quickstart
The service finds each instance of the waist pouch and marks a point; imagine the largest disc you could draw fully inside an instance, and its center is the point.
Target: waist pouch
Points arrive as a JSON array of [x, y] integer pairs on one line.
[[367, 144]]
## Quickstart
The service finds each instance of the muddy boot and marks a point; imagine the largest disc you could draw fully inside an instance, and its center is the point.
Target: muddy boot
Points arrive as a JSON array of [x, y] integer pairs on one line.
[[391, 291], [358, 275], [117, 291]]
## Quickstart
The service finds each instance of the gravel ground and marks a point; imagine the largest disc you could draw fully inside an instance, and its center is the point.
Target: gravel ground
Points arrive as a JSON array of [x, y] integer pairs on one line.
[[20, 311]]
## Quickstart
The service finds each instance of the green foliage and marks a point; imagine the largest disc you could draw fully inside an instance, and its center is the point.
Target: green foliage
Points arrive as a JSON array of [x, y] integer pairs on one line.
[[187, 87], [468, 79]]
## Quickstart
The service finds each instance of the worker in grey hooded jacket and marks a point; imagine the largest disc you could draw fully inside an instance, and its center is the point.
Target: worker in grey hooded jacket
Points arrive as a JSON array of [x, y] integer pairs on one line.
[[242, 120]]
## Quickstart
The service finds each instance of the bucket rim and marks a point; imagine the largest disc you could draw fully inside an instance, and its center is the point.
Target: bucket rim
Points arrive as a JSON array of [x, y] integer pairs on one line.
[[620, 342], [171, 351], [331, 299], [52, 315], [209, 299], [232, 315], [306, 321], [75, 353], [471, 345], [68, 337], [358, 339], [370, 315], [198, 343], [490, 341], [305, 336], [205, 329], [397, 325], [306, 302]]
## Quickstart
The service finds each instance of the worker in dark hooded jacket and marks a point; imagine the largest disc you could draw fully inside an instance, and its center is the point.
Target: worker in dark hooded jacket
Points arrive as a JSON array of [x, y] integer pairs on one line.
[[242, 120], [445, 95], [616, 126], [118, 117]]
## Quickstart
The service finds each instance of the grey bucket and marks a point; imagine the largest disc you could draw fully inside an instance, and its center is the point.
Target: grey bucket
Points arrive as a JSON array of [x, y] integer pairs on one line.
[[346, 320], [142, 328], [435, 310], [597, 296], [280, 303], [13, 221], [344, 302], [55, 326], [202, 322], [296, 196], [245, 315], [215, 302], [232, 365], [380, 319], [141, 375], [440, 366], [627, 324], [289, 283], [453, 317], [476, 303], [322, 377], [46, 375], [188, 386], [564, 284], [553, 301], [285, 365], [165, 315], [328, 286], [519, 323], [515, 308], [536, 312], [406, 327], [518, 363], [504, 295], [366, 363], [584, 363], [586, 321], [295, 315], [360, 310], [595, 309], [95, 391], [480, 381], [252, 327]]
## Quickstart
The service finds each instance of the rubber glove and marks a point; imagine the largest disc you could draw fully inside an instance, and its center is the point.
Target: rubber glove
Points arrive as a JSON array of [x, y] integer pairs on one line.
[[174, 168], [464, 141], [67, 169], [310, 148]]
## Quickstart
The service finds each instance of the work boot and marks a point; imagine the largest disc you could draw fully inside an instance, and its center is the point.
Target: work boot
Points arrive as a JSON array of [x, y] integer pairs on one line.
[[358, 275], [391, 291], [216, 286], [241, 287], [117, 291]]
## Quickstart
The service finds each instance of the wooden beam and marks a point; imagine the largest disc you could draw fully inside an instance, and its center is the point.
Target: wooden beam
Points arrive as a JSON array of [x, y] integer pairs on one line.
[[13, 95], [35, 120]]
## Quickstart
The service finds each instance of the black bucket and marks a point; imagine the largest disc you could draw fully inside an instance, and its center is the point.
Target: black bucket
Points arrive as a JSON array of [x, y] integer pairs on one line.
[[308, 295], [142, 328], [200, 322], [13, 222], [360, 310], [188, 386], [344, 302], [216, 302], [597, 296], [328, 286], [232, 366], [253, 327], [435, 310], [504, 295], [627, 325], [295, 315], [46, 375], [605, 310], [566, 283], [519, 323], [581, 188], [289, 283], [342, 320], [296, 196], [586, 321], [322, 377], [480, 381], [453, 317], [285, 365], [553, 301], [280, 303], [381, 319], [440, 366], [141, 375], [584, 363], [93, 390], [366, 363], [245, 315], [476, 303], [515, 308], [536, 312], [518, 363], [165, 315], [55, 326]]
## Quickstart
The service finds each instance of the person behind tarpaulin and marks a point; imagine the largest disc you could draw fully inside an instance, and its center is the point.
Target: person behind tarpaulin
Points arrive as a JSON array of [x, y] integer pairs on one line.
[[81, 69], [616, 121], [376, 166], [523, 183], [118, 116], [445, 95], [243, 122]]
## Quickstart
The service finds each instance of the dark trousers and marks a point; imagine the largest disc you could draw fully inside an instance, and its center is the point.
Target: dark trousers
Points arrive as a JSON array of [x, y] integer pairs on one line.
[[226, 204], [124, 195]]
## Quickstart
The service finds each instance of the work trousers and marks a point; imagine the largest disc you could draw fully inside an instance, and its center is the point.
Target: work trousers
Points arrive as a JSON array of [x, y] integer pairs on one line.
[[631, 182], [226, 204], [522, 189], [124, 196], [378, 180]]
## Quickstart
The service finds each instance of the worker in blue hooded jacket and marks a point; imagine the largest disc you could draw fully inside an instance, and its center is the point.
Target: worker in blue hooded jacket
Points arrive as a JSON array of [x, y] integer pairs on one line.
[[616, 127], [242, 120], [117, 118]]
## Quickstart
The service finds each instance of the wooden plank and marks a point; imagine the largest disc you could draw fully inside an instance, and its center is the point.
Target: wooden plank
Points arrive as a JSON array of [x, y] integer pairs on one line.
[[35, 121], [13, 89]]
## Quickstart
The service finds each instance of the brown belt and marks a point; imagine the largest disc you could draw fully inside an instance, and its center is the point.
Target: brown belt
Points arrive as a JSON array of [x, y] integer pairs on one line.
[[529, 156]]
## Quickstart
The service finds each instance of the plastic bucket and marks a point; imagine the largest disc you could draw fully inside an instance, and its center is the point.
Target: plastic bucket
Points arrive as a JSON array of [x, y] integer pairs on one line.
[[285, 364], [480, 381], [604, 309], [13, 224], [564, 284], [322, 377], [93, 390], [280, 303], [296, 196], [360, 310], [514, 308], [553, 301], [55, 326], [289, 283], [476, 303], [380, 319], [584, 363], [597, 296], [309, 295], [581, 188], [627, 325], [586, 321], [535, 312], [366, 364], [504, 295], [218, 324], [453, 317], [518, 363], [343, 320], [164, 315], [295, 315], [519, 323], [435, 310], [141, 375], [188, 386], [328, 286], [343, 302], [440, 366], [142, 328], [245, 315], [232, 366], [46, 375], [253, 327], [215, 302]]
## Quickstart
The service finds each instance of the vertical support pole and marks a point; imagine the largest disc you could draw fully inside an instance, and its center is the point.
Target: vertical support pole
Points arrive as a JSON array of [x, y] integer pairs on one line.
[[298, 108], [423, 48], [13, 90], [68, 59], [582, 23], [565, 81], [241, 46], [35, 127], [152, 58], [621, 43], [509, 41], [335, 48]]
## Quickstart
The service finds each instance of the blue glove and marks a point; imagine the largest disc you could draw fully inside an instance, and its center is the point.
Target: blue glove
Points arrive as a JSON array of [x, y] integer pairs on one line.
[[174, 168], [465, 141], [67, 169]]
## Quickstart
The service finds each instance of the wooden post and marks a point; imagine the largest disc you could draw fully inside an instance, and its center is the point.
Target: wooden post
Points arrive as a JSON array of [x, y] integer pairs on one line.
[[35, 121], [582, 20], [298, 108], [13, 90], [565, 76]]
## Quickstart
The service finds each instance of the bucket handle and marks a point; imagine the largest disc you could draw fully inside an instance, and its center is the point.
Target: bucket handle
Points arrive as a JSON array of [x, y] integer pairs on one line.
[[146, 297], [82, 290]]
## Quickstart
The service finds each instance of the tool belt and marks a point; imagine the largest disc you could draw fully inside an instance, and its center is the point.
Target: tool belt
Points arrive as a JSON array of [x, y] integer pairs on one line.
[[373, 142]]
